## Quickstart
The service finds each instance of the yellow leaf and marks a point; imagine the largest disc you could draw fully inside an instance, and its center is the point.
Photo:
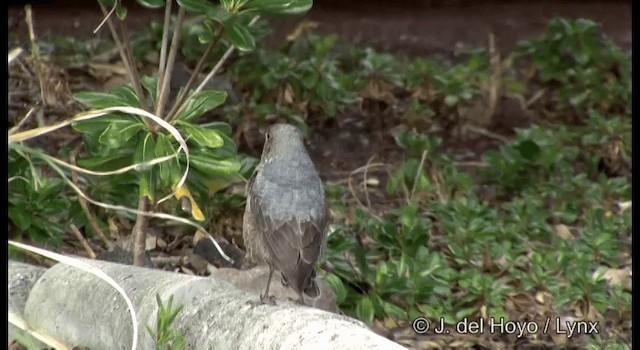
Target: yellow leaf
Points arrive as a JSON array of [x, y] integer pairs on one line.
[[183, 191]]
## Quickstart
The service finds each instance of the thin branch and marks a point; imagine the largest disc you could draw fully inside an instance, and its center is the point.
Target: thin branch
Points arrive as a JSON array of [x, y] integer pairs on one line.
[[22, 121], [83, 241], [83, 202], [175, 43], [35, 51], [163, 48], [135, 75], [123, 56], [487, 133]]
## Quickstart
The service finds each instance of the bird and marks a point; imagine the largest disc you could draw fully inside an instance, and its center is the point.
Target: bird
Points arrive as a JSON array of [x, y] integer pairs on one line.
[[285, 218]]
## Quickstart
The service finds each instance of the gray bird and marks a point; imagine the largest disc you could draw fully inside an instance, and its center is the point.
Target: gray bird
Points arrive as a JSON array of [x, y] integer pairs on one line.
[[284, 221]]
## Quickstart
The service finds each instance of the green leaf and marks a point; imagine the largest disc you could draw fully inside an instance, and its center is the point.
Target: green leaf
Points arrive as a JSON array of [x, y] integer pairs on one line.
[[201, 136], [169, 170], [282, 7], [20, 217], [213, 166], [122, 96], [146, 152], [310, 79], [128, 95], [338, 287], [151, 85], [121, 12], [202, 102], [197, 6], [152, 4], [394, 311], [528, 149], [240, 36], [219, 14], [117, 134], [364, 310], [114, 160], [222, 127], [98, 99]]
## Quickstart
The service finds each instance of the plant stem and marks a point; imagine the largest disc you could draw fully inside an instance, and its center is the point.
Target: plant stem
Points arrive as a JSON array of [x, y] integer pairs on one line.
[[175, 41], [124, 57], [163, 48], [215, 68], [204, 58], [135, 75], [140, 233]]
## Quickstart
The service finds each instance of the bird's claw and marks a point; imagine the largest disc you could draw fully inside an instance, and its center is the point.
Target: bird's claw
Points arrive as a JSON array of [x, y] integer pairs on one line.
[[269, 300]]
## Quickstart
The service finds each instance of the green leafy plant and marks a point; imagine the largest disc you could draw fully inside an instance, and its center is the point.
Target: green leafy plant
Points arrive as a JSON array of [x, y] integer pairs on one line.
[[164, 336], [36, 207], [581, 70], [301, 80]]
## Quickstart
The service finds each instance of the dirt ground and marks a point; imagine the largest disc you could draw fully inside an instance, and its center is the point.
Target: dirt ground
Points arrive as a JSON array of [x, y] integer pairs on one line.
[[434, 29], [415, 27]]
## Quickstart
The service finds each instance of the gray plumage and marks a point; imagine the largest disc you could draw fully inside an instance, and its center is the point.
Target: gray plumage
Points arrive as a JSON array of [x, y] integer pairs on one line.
[[284, 222]]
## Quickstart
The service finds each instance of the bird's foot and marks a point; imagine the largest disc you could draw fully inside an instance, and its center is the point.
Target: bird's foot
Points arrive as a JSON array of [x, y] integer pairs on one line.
[[299, 301], [269, 300]]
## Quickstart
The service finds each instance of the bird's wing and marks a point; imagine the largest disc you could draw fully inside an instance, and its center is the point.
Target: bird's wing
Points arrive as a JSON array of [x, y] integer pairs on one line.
[[291, 242]]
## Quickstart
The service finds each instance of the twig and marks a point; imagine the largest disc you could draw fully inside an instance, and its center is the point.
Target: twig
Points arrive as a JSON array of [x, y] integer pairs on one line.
[[495, 77], [107, 16], [35, 51], [472, 164], [418, 172], [364, 177], [83, 202], [163, 48], [349, 178], [175, 41], [135, 75], [123, 56], [22, 121], [487, 133], [83, 241], [536, 96]]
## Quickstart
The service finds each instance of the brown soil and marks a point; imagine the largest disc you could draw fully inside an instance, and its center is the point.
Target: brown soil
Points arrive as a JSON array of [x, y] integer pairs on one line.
[[417, 27], [435, 29]]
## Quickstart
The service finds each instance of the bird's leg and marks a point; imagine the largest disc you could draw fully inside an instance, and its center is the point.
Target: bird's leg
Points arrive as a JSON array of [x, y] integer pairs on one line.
[[266, 299]]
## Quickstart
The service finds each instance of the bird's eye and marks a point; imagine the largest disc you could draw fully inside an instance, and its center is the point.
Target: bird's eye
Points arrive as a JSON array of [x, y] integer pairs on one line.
[[266, 136]]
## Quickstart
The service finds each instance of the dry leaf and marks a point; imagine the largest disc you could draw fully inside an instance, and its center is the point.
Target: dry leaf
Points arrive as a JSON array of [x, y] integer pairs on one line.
[[200, 234], [619, 276], [379, 89], [150, 243], [563, 232]]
